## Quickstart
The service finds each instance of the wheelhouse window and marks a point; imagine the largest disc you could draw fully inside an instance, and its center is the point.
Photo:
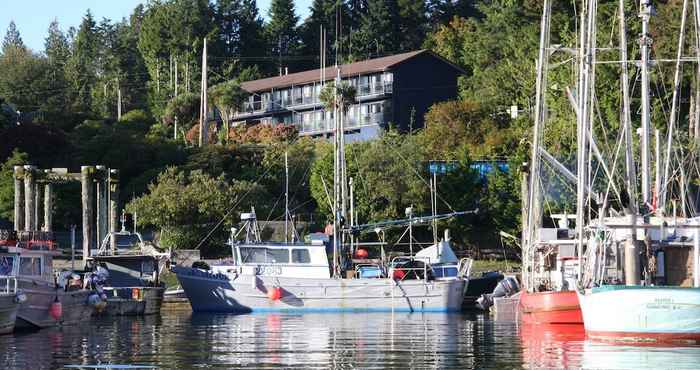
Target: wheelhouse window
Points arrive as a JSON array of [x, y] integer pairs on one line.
[[30, 266], [6, 265], [264, 255], [301, 256]]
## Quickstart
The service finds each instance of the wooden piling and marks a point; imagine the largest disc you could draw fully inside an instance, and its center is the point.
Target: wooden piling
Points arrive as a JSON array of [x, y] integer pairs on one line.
[[101, 193], [19, 198], [113, 182], [88, 200], [48, 206], [29, 198]]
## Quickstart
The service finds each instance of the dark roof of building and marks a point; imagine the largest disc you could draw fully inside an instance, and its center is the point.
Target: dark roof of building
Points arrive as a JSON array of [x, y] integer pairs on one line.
[[365, 66]]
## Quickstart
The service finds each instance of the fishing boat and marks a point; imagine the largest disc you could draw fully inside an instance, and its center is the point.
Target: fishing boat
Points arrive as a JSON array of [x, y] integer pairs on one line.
[[549, 257], [265, 276], [50, 300], [631, 250], [131, 270]]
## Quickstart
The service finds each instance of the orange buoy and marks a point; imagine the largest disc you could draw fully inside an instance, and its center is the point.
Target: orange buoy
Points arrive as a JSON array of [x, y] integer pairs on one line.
[[275, 293], [56, 309], [361, 253], [399, 274]]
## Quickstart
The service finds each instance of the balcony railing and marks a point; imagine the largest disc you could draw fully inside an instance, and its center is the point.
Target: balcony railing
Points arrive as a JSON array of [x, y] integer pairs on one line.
[[327, 125], [259, 106]]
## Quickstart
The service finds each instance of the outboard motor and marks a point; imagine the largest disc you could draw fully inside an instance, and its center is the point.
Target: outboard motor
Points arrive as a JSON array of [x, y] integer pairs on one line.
[[505, 288]]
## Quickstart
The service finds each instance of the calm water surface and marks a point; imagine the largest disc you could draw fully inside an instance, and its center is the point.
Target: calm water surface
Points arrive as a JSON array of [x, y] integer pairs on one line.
[[183, 340]]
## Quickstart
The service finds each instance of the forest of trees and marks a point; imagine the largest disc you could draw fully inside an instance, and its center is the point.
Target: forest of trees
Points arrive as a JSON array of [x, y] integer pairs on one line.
[[58, 107]]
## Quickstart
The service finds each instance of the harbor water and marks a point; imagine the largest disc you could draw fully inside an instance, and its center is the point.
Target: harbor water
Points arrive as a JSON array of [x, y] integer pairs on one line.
[[185, 340]]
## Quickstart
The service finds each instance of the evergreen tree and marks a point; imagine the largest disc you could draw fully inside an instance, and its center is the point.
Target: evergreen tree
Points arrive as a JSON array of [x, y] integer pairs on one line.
[[56, 45], [380, 31], [81, 70], [332, 15], [413, 25], [281, 31], [12, 38], [57, 51], [240, 34]]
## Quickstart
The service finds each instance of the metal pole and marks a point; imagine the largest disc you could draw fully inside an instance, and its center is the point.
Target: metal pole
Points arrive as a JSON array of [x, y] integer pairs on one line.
[[286, 197], [696, 259]]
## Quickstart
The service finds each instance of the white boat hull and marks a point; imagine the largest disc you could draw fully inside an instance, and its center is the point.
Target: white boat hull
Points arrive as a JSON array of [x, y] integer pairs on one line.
[[209, 292], [642, 313]]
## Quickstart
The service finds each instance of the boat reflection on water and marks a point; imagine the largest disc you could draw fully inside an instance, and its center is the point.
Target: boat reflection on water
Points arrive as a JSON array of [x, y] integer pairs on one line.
[[552, 345], [566, 346], [322, 340]]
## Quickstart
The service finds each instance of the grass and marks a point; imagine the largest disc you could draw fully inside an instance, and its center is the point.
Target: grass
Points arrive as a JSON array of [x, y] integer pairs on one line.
[[480, 266]]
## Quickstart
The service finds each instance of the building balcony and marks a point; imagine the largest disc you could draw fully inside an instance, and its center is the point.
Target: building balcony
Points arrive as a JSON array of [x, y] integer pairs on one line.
[[316, 127], [257, 107]]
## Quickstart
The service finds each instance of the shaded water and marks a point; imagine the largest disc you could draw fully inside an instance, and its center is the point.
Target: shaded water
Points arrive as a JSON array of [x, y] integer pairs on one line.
[[183, 340]]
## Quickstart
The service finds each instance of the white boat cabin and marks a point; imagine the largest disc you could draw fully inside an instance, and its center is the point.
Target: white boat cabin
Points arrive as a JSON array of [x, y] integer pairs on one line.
[[270, 259]]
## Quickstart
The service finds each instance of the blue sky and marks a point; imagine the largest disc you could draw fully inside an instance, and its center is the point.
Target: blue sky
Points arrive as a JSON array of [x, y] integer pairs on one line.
[[33, 16]]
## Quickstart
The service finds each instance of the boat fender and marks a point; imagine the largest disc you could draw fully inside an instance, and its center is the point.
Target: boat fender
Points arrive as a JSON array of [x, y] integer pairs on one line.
[[56, 309], [20, 298], [361, 253], [398, 274], [274, 294]]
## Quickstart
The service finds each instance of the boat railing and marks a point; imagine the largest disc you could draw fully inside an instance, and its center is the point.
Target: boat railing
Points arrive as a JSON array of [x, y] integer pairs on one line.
[[406, 271], [9, 286], [465, 267]]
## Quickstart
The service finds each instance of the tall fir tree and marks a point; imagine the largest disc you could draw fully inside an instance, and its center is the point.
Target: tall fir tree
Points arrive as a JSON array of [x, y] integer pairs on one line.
[[380, 31], [240, 34], [81, 70], [334, 16], [12, 38], [281, 33], [57, 51], [414, 24]]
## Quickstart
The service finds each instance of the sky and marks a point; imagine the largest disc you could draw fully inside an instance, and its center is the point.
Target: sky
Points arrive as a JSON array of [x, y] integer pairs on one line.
[[33, 17]]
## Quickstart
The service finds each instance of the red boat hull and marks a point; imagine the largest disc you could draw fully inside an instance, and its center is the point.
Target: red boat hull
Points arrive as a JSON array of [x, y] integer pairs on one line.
[[550, 308]]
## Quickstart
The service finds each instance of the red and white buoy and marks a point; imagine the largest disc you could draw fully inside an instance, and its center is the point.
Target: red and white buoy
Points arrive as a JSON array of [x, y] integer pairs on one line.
[[274, 293], [56, 309]]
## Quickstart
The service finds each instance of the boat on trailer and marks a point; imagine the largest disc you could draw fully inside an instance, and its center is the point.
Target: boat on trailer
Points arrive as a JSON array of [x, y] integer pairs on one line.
[[264, 276]]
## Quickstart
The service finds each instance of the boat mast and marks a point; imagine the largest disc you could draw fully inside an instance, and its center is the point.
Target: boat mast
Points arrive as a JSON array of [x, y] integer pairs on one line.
[[630, 173], [585, 98], [534, 213], [645, 43], [674, 112], [286, 197]]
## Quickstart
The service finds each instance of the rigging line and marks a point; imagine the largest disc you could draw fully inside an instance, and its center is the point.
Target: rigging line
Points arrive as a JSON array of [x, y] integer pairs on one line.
[[398, 152]]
